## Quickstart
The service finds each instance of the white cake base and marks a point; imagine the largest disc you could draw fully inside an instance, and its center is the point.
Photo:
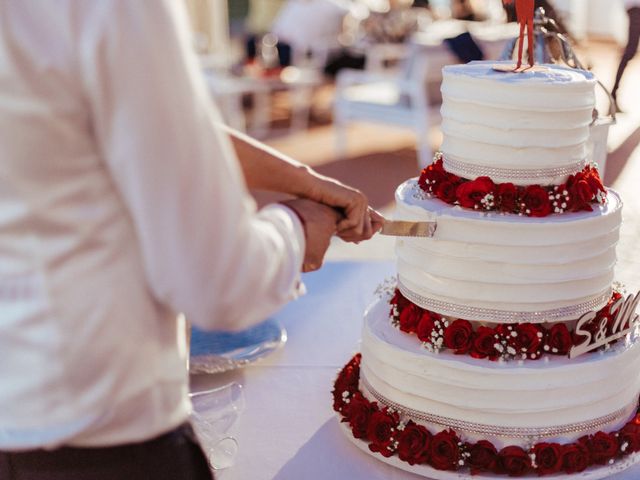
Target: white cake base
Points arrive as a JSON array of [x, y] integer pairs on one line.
[[432, 473]]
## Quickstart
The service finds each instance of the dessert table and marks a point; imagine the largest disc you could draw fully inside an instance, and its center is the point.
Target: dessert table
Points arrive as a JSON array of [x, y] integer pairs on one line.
[[288, 430], [228, 90]]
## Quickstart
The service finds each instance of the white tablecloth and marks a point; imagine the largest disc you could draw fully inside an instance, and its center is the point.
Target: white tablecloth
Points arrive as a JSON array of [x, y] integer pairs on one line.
[[288, 430]]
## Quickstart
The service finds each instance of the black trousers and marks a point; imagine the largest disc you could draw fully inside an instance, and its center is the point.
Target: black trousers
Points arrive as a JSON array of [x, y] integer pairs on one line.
[[173, 456], [632, 45]]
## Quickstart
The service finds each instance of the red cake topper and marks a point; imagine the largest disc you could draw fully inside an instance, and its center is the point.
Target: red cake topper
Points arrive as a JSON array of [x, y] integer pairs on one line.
[[525, 12]]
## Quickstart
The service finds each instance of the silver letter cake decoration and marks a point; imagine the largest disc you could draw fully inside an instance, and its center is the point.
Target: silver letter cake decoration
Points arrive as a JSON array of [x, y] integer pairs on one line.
[[626, 320]]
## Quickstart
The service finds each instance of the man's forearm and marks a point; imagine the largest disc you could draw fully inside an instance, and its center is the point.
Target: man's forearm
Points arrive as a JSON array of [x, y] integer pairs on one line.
[[265, 168]]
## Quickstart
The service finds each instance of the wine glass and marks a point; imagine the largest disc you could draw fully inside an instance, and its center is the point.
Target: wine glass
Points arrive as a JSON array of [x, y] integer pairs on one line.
[[214, 412]]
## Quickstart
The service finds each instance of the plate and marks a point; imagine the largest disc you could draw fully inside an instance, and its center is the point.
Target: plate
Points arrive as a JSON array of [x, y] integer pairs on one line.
[[215, 352]]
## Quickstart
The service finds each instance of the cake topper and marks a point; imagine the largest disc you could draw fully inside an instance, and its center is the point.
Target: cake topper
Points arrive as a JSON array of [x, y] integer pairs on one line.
[[624, 320], [525, 13]]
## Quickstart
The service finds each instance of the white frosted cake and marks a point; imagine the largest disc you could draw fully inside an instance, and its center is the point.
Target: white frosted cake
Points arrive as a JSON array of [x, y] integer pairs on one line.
[[526, 129], [503, 347]]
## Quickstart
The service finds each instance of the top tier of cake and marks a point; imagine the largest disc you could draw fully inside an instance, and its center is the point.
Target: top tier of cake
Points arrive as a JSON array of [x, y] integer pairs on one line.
[[525, 128]]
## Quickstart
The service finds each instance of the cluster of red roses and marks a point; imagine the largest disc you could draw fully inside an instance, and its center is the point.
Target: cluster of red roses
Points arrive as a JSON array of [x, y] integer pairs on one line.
[[520, 341], [386, 434], [578, 193]]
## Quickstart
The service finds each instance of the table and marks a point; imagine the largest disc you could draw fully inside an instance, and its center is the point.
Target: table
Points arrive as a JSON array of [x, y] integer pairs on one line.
[[288, 430], [228, 90]]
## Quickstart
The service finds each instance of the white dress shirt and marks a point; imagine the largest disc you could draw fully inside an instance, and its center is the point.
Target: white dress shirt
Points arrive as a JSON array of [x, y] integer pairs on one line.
[[120, 204]]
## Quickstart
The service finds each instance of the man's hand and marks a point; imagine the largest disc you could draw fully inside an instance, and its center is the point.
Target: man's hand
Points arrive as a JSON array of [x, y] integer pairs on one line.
[[319, 226], [375, 220], [267, 169], [360, 222]]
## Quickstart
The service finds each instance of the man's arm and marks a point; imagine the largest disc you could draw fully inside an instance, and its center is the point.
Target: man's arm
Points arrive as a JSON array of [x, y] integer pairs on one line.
[[205, 249], [265, 168]]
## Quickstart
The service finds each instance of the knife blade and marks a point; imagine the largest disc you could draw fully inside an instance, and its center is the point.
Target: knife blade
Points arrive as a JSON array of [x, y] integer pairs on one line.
[[401, 228]]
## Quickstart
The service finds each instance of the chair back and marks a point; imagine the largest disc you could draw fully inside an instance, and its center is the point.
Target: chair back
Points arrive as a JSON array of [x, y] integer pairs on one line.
[[415, 66]]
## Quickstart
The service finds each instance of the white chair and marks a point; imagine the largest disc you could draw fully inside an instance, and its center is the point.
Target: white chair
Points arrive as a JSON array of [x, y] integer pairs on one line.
[[398, 98]]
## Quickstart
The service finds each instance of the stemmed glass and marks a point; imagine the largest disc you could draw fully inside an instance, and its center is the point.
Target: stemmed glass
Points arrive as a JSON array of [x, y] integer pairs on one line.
[[214, 412]]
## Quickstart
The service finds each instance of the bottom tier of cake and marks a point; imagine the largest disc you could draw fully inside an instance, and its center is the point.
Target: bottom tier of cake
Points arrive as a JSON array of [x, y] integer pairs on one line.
[[392, 437], [446, 416], [429, 472]]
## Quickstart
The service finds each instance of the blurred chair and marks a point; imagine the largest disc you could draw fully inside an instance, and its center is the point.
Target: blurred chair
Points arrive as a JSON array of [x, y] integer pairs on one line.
[[397, 98], [228, 91], [210, 24]]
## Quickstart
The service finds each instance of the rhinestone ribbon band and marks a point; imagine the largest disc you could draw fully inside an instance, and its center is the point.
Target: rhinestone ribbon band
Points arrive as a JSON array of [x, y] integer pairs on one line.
[[495, 430], [470, 170], [570, 312]]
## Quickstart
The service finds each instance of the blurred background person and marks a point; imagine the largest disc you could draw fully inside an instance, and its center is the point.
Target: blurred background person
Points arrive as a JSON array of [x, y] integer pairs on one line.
[[466, 10], [633, 10], [301, 29]]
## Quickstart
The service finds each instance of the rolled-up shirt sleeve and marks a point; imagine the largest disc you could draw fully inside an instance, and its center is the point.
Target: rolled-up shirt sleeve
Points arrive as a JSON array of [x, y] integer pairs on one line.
[[206, 251]]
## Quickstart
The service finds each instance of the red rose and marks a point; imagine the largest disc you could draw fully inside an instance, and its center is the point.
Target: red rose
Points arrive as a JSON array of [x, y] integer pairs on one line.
[[431, 175], [380, 432], [630, 434], [471, 193], [347, 381], [409, 318], [585, 441], [528, 339], [358, 413], [446, 191], [453, 178], [506, 197], [514, 461], [593, 179], [413, 443], [426, 326], [459, 336], [444, 451], [559, 339], [536, 201], [582, 192], [399, 301], [484, 343], [482, 457], [575, 458], [548, 458], [603, 447]]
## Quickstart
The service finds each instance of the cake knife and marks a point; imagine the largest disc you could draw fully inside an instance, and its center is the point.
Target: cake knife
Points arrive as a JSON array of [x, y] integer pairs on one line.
[[401, 228]]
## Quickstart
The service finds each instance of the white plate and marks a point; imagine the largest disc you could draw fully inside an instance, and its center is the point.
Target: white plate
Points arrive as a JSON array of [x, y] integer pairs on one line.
[[215, 352]]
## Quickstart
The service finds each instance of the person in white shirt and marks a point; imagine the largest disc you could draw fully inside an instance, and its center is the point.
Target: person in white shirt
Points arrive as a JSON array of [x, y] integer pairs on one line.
[[310, 27], [633, 10], [122, 203]]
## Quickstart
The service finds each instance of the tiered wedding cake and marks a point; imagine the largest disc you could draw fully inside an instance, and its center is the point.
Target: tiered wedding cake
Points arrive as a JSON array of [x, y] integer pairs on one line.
[[503, 347]]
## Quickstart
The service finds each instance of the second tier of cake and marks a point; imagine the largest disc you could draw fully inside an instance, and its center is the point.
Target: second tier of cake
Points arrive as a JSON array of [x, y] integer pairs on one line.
[[498, 267]]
